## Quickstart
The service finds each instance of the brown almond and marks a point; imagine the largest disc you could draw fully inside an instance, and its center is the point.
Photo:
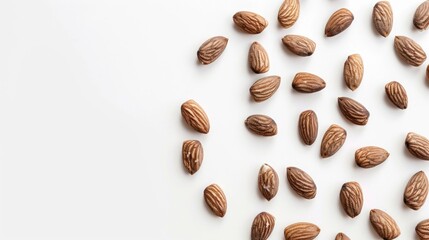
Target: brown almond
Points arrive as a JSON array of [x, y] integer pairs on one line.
[[371, 156], [353, 71], [250, 22], [422, 229], [397, 94], [308, 126], [409, 51], [195, 116], [301, 231], [301, 182], [416, 191], [299, 45], [382, 18], [288, 13], [341, 236], [307, 83], [261, 125], [417, 145], [215, 199], [353, 111], [211, 49], [351, 198], [332, 141], [421, 16], [264, 88], [192, 155], [338, 22], [385, 226], [268, 182], [262, 226], [258, 58]]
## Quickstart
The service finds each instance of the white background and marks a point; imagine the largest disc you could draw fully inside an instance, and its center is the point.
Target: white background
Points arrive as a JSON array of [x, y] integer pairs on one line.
[[91, 131]]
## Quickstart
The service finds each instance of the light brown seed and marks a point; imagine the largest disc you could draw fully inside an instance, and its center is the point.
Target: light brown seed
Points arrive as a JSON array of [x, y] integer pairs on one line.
[[397, 94], [409, 51], [301, 231], [416, 191], [215, 199], [268, 182], [258, 58], [382, 18], [192, 155], [261, 125], [341, 236], [422, 229], [353, 71], [338, 22], [250, 22], [332, 141], [264, 88], [417, 145], [262, 226], [299, 45], [195, 116], [353, 111], [307, 83], [421, 16], [211, 49], [288, 13], [301, 182], [351, 198], [385, 226], [371, 156], [308, 126]]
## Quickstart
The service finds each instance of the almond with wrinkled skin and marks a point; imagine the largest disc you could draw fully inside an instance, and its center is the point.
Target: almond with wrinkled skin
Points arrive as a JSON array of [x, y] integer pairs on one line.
[[264, 88], [417, 145], [341, 236], [397, 94], [268, 182], [422, 229], [250, 22], [261, 125], [385, 226], [301, 182], [195, 116], [308, 126], [370, 156], [409, 51], [416, 191], [351, 198], [301, 231], [215, 200], [299, 45], [211, 49], [338, 22], [258, 58], [288, 13], [262, 226], [421, 16], [308, 83], [353, 111], [382, 18], [353, 71], [332, 141], [192, 155]]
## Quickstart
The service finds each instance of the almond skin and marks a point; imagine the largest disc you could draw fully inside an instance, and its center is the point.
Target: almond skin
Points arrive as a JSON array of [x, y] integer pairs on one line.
[[215, 199], [382, 18], [332, 141], [341, 236], [250, 22], [195, 116], [338, 22], [409, 51], [416, 191], [268, 182], [262, 226], [211, 49], [299, 45], [397, 94], [371, 156], [192, 155], [422, 230], [307, 83], [385, 226], [353, 71], [353, 111], [301, 231], [308, 126], [261, 125], [288, 13], [351, 198], [301, 182], [421, 16], [258, 58], [417, 145], [264, 88]]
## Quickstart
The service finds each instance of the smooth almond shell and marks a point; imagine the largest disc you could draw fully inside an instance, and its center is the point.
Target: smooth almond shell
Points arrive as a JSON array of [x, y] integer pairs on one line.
[[195, 116], [338, 22], [301, 231], [299, 45], [264, 88], [288, 13], [382, 18], [421, 16], [397, 94], [192, 155], [301, 182], [308, 126], [268, 182], [215, 200], [262, 226], [353, 111], [258, 58], [211, 49], [332, 141], [353, 71], [385, 226], [370, 156], [261, 125], [416, 191], [307, 83], [250, 22], [351, 198], [417, 145], [341, 236], [409, 51], [422, 230]]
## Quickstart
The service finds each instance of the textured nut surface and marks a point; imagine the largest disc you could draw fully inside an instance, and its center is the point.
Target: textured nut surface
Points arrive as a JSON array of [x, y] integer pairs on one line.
[[301, 182], [258, 58], [192, 155], [211, 49], [262, 226], [351, 198], [250, 22], [308, 126], [332, 141], [264, 88], [299, 45], [422, 229], [385, 226], [417, 145], [341, 236], [353, 111], [307, 83], [397, 94], [353, 71], [409, 51], [339, 21], [195, 116], [421, 16], [416, 191], [382, 18], [370, 156], [261, 125], [288, 13], [301, 231], [268, 182], [215, 199]]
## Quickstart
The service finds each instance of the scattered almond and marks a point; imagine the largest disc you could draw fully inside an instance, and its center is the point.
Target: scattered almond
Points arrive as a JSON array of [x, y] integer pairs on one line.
[[417, 145], [422, 230], [385, 226], [258, 58], [264, 88], [397, 94], [342, 236], [416, 191], [262, 226], [353, 71], [351, 198], [211, 49], [250, 22], [301, 182], [338, 22], [421, 16], [332, 141], [301, 231], [192, 155], [308, 126], [382, 17], [215, 199], [195, 116], [409, 51], [371, 156], [261, 125], [353, 111], [299, 45], [288, 13], [268, 182], [307, 83]]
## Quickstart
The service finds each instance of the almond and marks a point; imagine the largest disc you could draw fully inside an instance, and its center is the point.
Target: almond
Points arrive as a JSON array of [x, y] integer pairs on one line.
[[261, 125], [299, 45], [397, 94], [416, 191], [422, 230], [384, 225], [215, 200], [264, 88], [409, 51], [353, 111], [338, 22], [250, 22], [351, 198], [371, 156], [301, 231], [307, 83], [262, 226], [211, 49], [353, 71], [341, 236], [421, 16], [308, 126], [192, 155], [195, 116], [417, 145], [288, 13], [258, 58], [332, 141], [301, 182], [382, 17], [268, 182]]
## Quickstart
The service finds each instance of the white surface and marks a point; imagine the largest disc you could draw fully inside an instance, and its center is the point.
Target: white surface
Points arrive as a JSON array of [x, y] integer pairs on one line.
[[91, 131]]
